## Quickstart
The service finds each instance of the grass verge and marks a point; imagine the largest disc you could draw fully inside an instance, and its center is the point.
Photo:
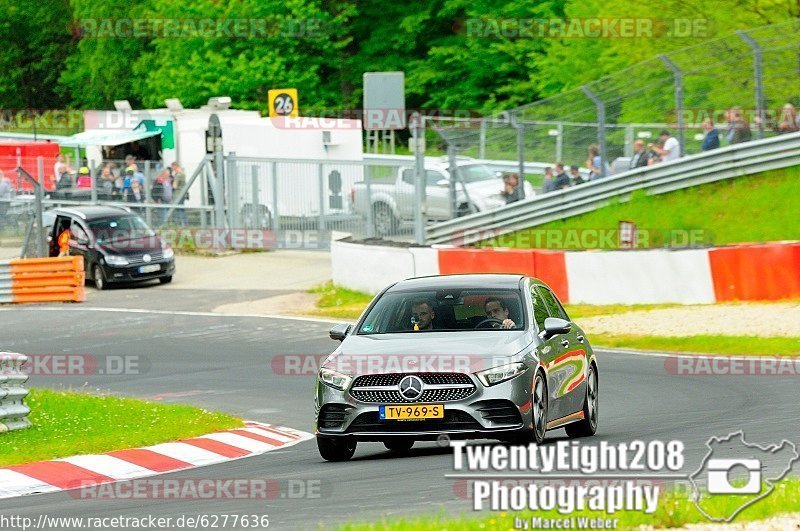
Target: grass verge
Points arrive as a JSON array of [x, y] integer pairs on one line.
[[722, 213], [339, 303], [707, 344], [68, 423], [674, 510]]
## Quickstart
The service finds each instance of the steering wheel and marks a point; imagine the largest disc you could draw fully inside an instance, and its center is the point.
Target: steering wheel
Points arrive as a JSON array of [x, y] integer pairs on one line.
[[489, 320]]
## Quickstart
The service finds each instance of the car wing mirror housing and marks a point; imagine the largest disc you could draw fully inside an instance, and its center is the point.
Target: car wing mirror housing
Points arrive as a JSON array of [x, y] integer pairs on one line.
[[340, 331], [554, 326]]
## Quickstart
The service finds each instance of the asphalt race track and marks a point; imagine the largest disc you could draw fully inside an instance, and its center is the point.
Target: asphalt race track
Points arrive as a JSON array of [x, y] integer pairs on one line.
[[224, 363]]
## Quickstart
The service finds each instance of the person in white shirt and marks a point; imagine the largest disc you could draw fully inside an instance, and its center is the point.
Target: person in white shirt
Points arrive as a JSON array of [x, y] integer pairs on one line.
[[671, 149]]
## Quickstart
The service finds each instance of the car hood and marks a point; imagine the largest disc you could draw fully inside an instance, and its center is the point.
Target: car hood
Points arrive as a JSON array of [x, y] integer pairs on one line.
[[133, 247], [431, 351]]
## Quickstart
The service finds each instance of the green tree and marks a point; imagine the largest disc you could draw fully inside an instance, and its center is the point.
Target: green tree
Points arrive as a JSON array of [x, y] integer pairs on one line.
[[37, 42]]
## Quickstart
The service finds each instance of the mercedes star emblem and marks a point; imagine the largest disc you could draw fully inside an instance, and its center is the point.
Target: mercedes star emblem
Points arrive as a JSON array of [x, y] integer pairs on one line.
[[410, 387]]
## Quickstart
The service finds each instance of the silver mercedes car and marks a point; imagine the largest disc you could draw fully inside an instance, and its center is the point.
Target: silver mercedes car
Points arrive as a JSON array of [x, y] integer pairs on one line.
[[456, 356]]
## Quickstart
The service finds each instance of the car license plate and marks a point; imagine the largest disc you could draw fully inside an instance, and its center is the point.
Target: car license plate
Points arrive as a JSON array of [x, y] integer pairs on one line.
[[149, 268], [412, 412]]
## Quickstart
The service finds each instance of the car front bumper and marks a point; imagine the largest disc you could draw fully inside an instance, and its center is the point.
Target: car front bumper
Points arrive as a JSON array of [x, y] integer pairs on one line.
[[131, 273], [488, 413]]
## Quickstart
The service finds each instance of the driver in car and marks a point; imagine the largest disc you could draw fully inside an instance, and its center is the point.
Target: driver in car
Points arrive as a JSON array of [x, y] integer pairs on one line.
[[497, 309], [422, 315]]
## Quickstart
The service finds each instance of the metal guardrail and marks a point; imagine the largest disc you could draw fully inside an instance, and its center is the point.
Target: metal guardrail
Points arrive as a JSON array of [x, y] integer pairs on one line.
[[13, 411], [720, 164]]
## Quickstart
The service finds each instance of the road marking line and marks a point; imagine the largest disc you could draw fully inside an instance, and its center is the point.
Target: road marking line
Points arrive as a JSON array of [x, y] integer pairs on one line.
[[14, 483], [150, 460], [176, 312], [271, 434], [61, 474], [186, 452], [239, 441], [108, 465]]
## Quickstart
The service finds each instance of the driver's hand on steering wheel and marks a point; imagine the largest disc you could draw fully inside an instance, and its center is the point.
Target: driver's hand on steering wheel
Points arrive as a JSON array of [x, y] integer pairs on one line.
[[508, 323]]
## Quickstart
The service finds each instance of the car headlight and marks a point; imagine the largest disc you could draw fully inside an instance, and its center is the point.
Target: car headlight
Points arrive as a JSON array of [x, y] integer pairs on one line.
[[335, 379], [496, 375], [115, 260], [168, 253]]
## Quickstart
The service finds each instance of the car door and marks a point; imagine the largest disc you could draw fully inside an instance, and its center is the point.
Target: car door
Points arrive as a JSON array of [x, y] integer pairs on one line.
[[549, 353], [62, 222], [79, 243], [569, 369]]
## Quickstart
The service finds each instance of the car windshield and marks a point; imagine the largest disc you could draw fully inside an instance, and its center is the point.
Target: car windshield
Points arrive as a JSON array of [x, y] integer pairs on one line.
[[120, 228], [476, 172], [445, 310]]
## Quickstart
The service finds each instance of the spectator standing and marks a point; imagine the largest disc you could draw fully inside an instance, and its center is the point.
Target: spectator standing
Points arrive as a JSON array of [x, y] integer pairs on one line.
[[511, 188], [84, 179], [711, 140], [575, 174], [549, 183], [738, 127], [790, 121], [178, 182], [562, 179], [639, 158], [594, 162], [61, 167], [670, 148]]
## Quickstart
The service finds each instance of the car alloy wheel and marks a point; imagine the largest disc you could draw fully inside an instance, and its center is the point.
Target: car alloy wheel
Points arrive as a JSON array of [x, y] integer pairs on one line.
[[539, 408], [99, 280], [591, 409]]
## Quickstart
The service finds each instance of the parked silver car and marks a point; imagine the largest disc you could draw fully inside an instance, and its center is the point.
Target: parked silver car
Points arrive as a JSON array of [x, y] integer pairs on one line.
[[461, 356]]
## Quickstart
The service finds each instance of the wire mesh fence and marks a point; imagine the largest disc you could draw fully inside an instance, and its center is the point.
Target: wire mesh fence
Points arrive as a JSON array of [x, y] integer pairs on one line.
[[746, 83]]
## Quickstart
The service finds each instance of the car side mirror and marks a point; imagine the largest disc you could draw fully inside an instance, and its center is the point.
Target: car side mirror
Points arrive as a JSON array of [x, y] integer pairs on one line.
[[340, 331], [554, 326], [83, 241]]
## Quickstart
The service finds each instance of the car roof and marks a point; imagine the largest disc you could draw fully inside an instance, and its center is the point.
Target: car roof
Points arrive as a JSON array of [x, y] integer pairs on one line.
[[473, 281], [92, 211]]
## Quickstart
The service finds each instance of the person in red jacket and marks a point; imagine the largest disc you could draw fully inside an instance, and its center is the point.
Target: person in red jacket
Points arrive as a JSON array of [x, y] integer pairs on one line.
[[63, 243]]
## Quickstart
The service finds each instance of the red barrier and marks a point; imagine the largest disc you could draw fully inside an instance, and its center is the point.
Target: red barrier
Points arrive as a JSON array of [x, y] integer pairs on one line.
[[757, 272], [548, 266], [454, 261], [551, 268]]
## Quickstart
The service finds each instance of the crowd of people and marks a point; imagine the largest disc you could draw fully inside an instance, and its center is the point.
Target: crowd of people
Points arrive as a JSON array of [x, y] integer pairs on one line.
[[124, 182]]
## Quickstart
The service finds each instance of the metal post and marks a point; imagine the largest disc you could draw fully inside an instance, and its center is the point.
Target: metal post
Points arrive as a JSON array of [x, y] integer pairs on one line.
[[276, 217], [233, 191], [321, 226], [677, 75], [629, 140], [601, 126], [93, 180], [482, 146], [41, 238], [148, 198], [453, 170], [560, 142], [254, 196], [368, 186], [758, 74], [520, 128], [219, 190], [418, 126]]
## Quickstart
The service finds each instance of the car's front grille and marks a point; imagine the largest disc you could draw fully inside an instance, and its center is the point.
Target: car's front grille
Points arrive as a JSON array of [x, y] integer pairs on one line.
[[453, 420], [437, 387], [155, 256], [499, 411], [435, 378], [333, 416]]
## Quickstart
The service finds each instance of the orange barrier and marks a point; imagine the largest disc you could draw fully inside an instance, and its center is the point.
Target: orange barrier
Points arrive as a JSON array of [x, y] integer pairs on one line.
[[42, 280], [756, 272], [548, 266]]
